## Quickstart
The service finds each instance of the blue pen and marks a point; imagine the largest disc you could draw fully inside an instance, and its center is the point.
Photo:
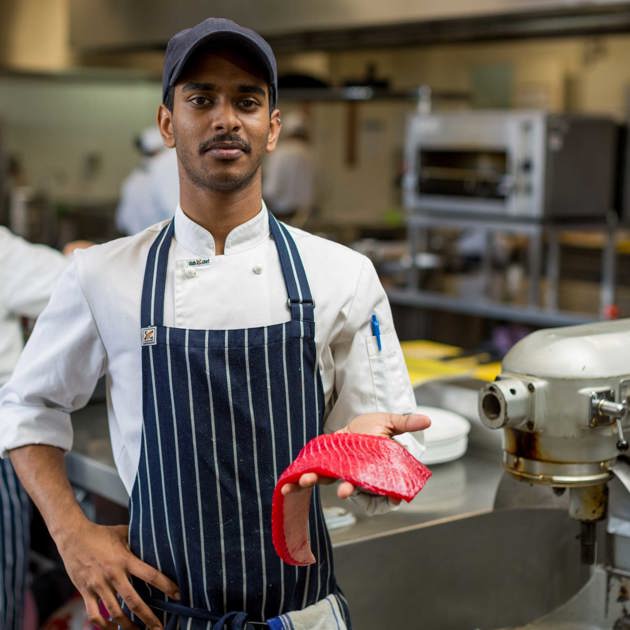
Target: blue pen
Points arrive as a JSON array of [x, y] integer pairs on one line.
[[376, 331]]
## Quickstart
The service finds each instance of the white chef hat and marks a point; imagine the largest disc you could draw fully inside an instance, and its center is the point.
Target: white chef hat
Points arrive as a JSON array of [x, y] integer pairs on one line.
[[150, 140]]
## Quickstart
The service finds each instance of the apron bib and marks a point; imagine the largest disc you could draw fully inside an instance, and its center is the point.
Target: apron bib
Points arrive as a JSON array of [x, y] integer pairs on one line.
[[224, 413]]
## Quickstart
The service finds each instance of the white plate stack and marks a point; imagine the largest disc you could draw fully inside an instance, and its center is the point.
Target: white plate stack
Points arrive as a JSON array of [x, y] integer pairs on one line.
[[445, 440], [447, 437]]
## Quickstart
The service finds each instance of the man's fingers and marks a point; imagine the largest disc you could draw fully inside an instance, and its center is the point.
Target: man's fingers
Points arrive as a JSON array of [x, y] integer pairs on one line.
[[99, 564], [152, 576], [388, 424], [116, 614], [136, 604], [345, 490], [94, 613], [307, 480], [409, 422]]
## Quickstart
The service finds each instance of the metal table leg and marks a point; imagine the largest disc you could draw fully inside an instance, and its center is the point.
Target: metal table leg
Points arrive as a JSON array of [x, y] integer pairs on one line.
[[609, 263], [553, 270], [535, 266], [486, 262]]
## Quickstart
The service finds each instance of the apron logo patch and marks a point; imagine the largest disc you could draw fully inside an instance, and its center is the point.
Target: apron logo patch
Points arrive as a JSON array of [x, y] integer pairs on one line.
[[149, 336]]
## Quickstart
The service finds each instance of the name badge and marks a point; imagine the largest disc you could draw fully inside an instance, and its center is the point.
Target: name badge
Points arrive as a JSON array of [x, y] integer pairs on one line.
[[199, 262], [149, 336]]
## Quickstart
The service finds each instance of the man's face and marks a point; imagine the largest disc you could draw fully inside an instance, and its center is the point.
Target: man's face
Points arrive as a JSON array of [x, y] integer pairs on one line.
[[220, 126]]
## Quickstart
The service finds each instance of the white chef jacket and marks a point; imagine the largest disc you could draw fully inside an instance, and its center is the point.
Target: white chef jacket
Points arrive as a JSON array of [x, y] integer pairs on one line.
[[27, 275], [91, 327], [289, 177]]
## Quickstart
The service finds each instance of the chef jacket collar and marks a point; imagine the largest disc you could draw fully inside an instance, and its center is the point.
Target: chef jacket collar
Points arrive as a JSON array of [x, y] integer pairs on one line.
[[197, 240]]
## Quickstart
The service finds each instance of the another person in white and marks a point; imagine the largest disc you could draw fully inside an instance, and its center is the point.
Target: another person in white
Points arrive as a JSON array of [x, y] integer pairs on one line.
[[289, 172], [27, 276], [228, 340], [151, 191]]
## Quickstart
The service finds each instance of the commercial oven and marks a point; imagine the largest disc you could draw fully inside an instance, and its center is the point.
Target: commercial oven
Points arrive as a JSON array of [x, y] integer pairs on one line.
[[525, 165]]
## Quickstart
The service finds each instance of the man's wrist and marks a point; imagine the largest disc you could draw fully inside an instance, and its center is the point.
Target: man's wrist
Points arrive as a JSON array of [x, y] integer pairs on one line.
[[64, 526]]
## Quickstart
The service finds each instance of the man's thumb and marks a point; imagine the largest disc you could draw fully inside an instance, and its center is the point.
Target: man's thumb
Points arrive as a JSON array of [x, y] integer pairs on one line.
[[403, 423]]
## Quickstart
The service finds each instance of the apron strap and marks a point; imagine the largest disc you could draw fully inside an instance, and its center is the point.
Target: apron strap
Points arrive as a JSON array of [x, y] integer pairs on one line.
[[300, 300], [229, 621], [152, 305]]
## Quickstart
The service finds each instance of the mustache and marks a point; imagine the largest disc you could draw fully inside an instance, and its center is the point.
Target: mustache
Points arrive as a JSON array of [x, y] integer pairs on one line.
[[233, 140]]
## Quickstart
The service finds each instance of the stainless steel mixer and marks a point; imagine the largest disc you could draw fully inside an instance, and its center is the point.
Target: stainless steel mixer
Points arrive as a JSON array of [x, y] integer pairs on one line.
[[562, 401]]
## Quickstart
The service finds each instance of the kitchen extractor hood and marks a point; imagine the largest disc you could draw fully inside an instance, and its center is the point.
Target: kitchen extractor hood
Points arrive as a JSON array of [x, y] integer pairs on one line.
[[100, 25]]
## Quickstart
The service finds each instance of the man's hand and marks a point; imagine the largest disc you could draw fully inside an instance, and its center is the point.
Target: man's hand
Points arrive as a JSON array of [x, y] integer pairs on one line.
[[99, 563], [383, 424], [97, 558]]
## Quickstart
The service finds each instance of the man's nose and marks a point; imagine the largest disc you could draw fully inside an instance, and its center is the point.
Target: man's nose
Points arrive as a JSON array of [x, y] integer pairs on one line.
[[225, 118]]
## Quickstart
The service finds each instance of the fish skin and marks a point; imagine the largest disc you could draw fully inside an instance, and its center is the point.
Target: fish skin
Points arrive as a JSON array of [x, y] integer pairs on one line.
[[375, 463]]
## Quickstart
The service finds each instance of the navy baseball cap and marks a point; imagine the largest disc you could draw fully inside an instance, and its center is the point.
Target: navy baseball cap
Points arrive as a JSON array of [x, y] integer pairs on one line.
[[183, 44]]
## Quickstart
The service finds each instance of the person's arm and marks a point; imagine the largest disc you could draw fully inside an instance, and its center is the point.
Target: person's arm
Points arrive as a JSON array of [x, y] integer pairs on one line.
[[27, 274], [96, 557], [55, 375], [368, 378], [373, 394]]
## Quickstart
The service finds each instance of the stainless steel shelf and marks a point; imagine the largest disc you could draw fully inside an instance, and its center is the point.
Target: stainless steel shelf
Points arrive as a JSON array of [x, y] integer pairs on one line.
[[541, 236], [423, 218], [487, 308], [362, 93]]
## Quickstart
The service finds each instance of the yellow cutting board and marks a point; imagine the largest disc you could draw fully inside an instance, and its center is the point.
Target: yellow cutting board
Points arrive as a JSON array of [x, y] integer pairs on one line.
[[425, 362]]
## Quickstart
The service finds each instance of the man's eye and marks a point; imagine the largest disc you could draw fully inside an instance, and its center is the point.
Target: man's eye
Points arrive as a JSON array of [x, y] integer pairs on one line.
[[249, 103], [199, 100]]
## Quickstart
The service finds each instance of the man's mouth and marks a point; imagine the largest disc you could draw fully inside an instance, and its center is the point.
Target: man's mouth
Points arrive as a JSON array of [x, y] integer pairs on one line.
[[225, 150]]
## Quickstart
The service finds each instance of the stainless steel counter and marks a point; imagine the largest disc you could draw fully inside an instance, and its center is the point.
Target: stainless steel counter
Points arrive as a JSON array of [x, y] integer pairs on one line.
[[90, 464], [463, 487], [430, 563], [456, 489]]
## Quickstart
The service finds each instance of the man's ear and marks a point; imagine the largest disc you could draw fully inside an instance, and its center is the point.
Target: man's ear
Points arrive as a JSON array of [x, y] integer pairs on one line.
[[275, 126], [165, 124]]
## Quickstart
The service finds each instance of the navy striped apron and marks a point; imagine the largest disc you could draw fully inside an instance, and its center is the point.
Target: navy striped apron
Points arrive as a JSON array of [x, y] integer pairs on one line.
[[15, 518], [225, 412]]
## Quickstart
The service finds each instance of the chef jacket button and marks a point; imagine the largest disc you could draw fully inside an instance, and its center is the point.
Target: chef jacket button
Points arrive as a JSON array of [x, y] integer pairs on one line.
[[190, 273], [257, 270]]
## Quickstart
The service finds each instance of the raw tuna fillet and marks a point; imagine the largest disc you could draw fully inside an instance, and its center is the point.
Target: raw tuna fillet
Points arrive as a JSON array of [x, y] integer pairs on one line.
[[374, 463]]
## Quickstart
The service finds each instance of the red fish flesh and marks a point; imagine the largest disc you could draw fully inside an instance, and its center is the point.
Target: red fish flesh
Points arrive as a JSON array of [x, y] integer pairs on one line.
[[376, 464]]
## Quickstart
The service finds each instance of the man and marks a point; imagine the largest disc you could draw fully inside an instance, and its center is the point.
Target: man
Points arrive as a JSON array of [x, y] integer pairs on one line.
[[289, 172], [27, 275], [228, 341], [151, 191]]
